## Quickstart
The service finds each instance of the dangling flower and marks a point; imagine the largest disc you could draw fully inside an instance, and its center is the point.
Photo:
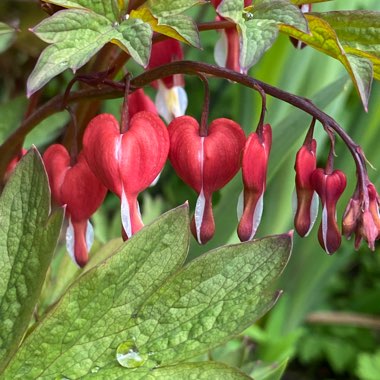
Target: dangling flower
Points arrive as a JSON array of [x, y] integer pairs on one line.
[[205, 163], [227, 48], [254, 169], [76, 187], [127, 163], [330, 187], [171, 99], [306, 197], [362, 217]]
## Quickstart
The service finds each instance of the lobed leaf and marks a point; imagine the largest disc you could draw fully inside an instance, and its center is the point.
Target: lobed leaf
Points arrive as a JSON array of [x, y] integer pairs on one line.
[[324, 39], [76, 35], [28, 237], [84, 329]]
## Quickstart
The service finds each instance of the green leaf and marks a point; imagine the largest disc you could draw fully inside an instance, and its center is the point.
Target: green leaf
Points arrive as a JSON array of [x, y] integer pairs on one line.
[[180, 27], [257, 37], [185, 371], [212, 298], [11, 115], [106, 8], [84, 329], [368, 366], [78, 34], [324, 39], [280, 11], [6, 36], [358, 32], [28, 237], [269, 371], [231, 10], [167, 8]]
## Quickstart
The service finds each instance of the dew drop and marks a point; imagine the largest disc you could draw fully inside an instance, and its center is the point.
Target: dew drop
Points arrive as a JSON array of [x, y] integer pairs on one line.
[[248, 16], [128, 355], [95, 369]]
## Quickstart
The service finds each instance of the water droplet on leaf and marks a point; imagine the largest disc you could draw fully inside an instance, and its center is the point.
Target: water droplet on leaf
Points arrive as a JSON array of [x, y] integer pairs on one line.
[[95, 369], [129, 356]]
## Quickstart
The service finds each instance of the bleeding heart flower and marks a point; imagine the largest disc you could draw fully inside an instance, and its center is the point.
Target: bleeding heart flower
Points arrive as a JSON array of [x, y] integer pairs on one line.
[[306, 198], [127, 163], [76, 187], [171, 99], [329, 188], [205, 163], [254, 168]]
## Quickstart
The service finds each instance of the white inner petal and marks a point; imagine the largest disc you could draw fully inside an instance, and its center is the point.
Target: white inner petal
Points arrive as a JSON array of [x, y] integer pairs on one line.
[[324, 227], [198, 215], [220, 50], [70, 240], [313, 211], [160, 102], [125, 214], [154, 183], [89, 236], [256, 219], [240, 205]]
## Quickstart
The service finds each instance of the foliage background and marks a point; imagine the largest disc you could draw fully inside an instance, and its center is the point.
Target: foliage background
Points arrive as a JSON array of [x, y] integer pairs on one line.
[[346, 282]]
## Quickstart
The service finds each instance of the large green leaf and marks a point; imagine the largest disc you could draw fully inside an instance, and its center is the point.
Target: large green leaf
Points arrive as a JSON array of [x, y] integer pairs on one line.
[[166, 8], [84, 329], [212, 298], [28, 236], [77, 34], [107, 8], [185, 371], [359, 34], [324, 39], [6, 36]]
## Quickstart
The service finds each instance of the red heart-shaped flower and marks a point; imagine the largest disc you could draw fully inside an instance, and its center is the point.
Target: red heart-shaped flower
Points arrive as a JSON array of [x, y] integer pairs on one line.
[[127, 163], [76, 187], [205, 163]]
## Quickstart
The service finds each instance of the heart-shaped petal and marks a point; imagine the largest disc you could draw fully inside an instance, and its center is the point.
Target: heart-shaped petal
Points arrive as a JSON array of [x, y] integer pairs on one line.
[[205, 163], [127, 163]]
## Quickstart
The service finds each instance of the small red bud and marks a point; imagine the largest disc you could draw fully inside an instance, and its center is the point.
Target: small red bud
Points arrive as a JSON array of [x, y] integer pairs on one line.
[[254, 169]]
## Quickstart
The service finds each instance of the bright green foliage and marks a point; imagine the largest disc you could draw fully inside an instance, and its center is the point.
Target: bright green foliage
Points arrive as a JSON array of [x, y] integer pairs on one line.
[[258, 25], [6, 36], [77, 34], [324, 38], [28, 236], [133, 300], [212, 298], [368, 366], [185, 371], [85, 328], [358, 33]]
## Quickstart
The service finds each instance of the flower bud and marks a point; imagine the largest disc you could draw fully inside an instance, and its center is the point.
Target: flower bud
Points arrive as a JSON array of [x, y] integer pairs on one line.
[[206, 164], [254, 169], [307, 198], [329, 188]]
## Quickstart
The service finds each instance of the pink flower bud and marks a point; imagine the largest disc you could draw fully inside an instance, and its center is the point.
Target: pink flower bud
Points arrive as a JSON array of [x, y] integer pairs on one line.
[[206, 164], [254, 168], [127, 163], [329, 188], [307, 199], [76, 187]]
